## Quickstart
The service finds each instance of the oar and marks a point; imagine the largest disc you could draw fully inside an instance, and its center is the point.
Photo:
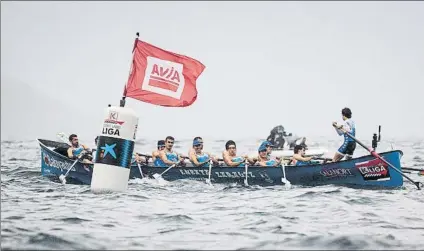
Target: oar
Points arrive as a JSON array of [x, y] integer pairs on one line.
[[139, 169], [208, 180], [322, 158], [420, 173], [159, 176], [246, 165], [62, 177], [373, 153], [63, 137], [412, 169], [286, 182]]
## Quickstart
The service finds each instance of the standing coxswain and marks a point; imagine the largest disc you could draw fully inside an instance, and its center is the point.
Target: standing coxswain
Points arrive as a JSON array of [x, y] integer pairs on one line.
[[348, 147]]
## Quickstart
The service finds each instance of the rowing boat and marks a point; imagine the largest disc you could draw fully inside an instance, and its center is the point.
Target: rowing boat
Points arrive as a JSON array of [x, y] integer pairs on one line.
[[365, 171]]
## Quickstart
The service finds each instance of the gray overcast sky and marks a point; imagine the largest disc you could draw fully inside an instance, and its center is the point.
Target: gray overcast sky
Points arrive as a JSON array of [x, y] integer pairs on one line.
[[267, 63]]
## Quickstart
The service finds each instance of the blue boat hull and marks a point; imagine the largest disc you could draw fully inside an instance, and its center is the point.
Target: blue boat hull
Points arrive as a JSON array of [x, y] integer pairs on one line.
[[364, 171]]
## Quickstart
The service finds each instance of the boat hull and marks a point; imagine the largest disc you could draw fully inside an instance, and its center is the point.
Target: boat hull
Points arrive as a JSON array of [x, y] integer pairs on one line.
[[363, 172]]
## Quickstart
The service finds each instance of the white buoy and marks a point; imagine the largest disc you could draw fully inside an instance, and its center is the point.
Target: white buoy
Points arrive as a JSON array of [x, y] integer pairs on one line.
[[114, 150]]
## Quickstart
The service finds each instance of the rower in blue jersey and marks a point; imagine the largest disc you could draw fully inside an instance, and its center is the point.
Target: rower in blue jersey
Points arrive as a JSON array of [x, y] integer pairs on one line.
[[155, 154], [197, 156], [167, 157], [299, 158], [264, 158], [76, 148], [230, 156], [348, 147]]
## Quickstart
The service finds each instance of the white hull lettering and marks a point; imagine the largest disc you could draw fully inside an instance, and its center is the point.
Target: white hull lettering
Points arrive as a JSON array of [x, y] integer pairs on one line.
[[197, 172], [339, 172], [58, 164]]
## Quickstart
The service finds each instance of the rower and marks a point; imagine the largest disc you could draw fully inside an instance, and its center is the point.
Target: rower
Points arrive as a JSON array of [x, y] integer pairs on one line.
[[198, 138], [230, 157], [199, 158], [269, 147], [167, 157], [76, 148], [299, 158], [264, 158], [348, 147], [155, 153]]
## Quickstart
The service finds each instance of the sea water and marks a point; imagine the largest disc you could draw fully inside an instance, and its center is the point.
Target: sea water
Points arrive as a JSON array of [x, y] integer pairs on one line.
[[37, 213]]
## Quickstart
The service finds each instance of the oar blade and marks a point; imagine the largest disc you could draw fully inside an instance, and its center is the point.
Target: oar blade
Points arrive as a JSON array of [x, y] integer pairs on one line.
[[62, 179], [287, 183], [208, 181]]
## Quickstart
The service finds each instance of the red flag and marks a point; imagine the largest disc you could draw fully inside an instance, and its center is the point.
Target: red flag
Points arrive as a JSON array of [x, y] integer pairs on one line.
[[162, 77]]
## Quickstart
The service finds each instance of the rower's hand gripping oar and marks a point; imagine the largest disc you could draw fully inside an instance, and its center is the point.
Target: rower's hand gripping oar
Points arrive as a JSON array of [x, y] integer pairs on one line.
[[373, 153], [62, 177]]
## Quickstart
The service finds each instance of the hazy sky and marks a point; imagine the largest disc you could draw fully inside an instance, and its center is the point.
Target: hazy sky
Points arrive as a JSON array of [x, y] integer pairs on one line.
[[267, 63]]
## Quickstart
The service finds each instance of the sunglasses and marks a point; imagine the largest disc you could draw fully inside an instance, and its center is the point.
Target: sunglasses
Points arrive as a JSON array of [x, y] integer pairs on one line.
[[199, 145]]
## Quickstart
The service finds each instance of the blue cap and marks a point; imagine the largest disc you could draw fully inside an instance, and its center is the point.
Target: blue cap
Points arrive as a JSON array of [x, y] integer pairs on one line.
[[197, 142], [267, 143], [161, 143], [262, 147]]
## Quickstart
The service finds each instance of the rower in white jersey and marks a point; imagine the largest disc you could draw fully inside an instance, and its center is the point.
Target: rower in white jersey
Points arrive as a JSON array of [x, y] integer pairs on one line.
[[197, 156], [348, 147], [168, 157]]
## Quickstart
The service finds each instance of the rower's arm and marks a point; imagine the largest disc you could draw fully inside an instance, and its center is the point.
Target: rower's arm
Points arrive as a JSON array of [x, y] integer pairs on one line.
[[278, 162], [228, 161], [193, 158], [70, 155], [163, 157], [298, 157], [252, 160]]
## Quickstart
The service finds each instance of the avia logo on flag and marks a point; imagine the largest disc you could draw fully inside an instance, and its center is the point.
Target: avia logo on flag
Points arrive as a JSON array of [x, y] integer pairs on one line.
[[163, 77]]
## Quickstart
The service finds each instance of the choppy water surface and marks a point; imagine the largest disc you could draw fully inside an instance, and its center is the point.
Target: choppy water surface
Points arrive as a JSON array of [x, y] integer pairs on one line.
[[37, 213]]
